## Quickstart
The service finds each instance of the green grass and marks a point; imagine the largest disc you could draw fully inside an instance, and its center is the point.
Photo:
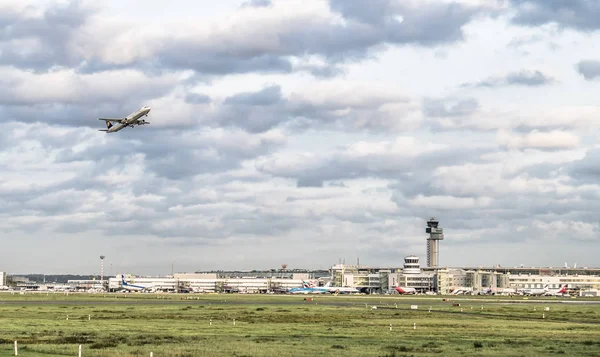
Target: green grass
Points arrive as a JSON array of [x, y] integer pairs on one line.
[[179, 325]]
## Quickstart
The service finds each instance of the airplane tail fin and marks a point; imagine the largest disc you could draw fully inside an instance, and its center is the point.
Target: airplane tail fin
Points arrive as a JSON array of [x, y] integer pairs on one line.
[[108, 125]]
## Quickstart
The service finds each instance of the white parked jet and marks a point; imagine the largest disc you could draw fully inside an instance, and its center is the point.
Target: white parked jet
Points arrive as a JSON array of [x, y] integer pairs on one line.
[[536, 291], [136, 287], [131, 120]]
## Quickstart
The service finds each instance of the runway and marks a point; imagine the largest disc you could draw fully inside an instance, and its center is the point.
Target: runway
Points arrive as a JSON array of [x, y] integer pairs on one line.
[[285, 301]]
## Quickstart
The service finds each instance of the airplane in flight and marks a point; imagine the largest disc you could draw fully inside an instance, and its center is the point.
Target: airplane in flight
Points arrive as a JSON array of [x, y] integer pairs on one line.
[[131, 120]]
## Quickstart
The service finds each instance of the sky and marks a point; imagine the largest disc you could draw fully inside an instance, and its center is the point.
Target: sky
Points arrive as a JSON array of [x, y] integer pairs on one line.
[[298, 132]]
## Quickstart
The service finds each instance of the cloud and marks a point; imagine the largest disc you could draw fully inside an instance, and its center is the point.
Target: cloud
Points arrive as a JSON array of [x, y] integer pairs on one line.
[[449, 107], [580, 15], [296, 132], [389, 159], [257, 3], [553, 140], [589, 69], [328, 105], [195, 98], [258, 38], [67, 87], [45, 39], [490, 119], [522, 78], [586, 169]]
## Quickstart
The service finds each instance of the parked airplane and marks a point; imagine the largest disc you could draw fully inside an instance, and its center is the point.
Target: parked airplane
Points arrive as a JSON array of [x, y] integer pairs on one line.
[[131, 120], [405, 290], [558, 292], [535, 292], [306, 289], [338, 289], [135, 287], [312, 288]]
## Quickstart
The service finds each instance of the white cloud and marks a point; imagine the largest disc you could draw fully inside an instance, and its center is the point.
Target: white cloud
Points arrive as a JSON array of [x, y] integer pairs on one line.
[[68, 87], [539, 140]]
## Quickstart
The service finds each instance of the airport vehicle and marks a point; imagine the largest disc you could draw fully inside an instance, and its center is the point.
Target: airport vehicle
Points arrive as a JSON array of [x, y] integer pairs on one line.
[[131, 120]]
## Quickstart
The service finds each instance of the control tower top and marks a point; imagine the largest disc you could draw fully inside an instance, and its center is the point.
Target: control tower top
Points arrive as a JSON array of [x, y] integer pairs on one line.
[[434, 231], [432, 223]]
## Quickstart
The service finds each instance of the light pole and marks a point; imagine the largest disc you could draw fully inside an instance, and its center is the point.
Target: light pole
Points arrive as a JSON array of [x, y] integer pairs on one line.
[[102, 270]]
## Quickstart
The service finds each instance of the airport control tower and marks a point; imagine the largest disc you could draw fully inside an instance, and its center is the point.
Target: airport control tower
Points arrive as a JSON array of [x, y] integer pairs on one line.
[[433, 242]]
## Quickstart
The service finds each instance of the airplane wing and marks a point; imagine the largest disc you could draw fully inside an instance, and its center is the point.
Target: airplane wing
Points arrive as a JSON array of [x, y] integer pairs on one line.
[[118, 120]]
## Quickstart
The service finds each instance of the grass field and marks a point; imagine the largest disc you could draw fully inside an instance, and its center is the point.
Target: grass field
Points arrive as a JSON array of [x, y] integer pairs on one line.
[[180, 325]]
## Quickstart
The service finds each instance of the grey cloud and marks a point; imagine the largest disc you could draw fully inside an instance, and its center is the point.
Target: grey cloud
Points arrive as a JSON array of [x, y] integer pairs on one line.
[[90, 201], [338, 43], [586, 170], [326, 71], [54, 31], [314, 171], [257, 3], [197, 152], [521, 78], [207, 60], [589, 69], [369, 27], [528, 78], [309, 182], [581, 15], [267, 108], [373, 12], [255, 112], [335, 42], [195, 98], [449, 107], [264, 97]]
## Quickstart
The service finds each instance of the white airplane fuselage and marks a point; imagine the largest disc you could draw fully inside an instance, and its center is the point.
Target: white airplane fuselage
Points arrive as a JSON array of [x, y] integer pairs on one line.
[[130, 120]]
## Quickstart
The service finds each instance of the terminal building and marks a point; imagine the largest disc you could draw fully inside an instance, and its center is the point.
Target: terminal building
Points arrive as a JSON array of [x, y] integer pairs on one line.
[[218, 282], [432, 278]]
